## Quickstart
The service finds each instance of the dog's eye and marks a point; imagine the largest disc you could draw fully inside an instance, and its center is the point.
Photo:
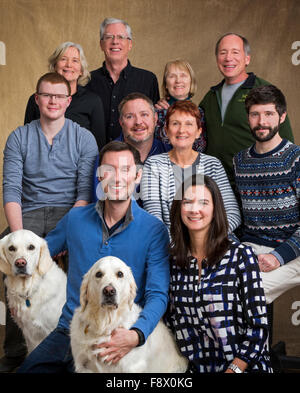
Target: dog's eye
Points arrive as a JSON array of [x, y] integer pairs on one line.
[[12, 248], [120, 274], [31, 247], [99, 274]]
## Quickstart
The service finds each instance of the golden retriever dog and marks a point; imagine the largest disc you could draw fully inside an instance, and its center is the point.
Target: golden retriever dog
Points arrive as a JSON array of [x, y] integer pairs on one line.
[[107, 298], [36, 286]]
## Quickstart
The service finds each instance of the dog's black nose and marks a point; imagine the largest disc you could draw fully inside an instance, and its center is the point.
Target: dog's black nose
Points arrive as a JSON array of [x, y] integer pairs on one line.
[[20, 262], [109, 290]]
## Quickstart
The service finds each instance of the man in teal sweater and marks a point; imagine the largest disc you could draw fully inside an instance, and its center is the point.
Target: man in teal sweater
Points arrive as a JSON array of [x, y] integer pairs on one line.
[[225, 115], [116, 226]]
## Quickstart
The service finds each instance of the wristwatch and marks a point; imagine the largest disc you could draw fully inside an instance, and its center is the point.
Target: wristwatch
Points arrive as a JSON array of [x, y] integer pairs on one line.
[[235, 368], [140, 335]]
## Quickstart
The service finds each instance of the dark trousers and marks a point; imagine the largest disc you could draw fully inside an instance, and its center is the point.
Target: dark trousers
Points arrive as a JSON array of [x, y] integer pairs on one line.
[[40, 221], [52, 355]]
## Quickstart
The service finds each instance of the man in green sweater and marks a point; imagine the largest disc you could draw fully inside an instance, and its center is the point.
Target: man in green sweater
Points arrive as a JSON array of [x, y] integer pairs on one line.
[[225, 115]]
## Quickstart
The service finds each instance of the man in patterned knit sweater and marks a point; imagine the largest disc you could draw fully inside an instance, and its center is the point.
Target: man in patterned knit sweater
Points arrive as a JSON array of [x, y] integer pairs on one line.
[[267, 177]]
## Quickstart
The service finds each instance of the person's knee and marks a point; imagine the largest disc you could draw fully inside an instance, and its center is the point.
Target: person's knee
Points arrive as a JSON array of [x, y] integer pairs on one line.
[[52, 355]]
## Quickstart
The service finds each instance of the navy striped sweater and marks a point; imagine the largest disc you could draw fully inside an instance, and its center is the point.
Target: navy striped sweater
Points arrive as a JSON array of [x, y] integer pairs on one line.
[[269, 187]]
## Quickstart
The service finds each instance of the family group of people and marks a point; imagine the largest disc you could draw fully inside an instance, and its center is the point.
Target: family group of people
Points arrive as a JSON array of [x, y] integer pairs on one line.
[[202, 202]]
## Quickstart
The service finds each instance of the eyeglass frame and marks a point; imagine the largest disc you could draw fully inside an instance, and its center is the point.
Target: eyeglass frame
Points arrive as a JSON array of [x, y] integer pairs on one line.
[[111, 37], [51, 96]]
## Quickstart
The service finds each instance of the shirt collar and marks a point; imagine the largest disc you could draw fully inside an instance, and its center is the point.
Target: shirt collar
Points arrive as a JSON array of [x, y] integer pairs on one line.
[[106, 234], [124, 73], [100, 210], [248, 84], [254, 153], [157, 145], [172, 99]]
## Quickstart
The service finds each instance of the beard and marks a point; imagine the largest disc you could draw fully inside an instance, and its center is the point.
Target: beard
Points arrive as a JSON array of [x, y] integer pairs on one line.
[[272, 132], [136, 141]]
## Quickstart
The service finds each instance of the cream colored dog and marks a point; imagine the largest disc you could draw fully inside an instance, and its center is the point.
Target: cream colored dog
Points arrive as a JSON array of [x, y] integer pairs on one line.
[[107, 298], [36, 286]]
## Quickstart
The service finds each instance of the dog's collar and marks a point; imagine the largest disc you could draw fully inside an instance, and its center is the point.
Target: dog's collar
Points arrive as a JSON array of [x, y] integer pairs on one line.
[[27, 297], [27, 300]]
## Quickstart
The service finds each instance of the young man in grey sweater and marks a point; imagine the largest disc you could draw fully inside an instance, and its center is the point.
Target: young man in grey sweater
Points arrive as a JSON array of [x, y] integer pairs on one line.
[[48, 169]]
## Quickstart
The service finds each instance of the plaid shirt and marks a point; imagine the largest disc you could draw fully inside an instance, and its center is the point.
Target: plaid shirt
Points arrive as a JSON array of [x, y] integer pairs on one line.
[[222, 315]]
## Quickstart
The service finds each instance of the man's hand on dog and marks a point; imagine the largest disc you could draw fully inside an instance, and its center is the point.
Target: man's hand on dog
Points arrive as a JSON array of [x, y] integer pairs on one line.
[[122, 341]]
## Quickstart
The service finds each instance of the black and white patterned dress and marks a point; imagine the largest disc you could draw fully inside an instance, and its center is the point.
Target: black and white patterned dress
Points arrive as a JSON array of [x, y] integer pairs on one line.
[[222, 315]]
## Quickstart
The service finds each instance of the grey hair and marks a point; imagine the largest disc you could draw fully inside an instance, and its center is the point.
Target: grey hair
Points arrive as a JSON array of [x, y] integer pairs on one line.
[[110, 21], [246, 44], [60, 50]]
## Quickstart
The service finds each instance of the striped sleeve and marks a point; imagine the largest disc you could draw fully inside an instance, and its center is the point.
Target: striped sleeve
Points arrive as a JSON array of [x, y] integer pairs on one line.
[[213, 168], [157, 187]]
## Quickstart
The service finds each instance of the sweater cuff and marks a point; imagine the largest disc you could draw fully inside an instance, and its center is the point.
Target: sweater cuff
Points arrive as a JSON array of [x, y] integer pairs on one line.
[[278, 256], [285, 252], [141, 336]]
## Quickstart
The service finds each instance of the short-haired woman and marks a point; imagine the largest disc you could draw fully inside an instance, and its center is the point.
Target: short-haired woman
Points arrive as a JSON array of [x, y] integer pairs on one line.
[[164, 173]]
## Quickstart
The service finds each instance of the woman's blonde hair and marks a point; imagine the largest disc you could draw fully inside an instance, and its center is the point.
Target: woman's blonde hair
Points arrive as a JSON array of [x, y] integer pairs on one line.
[[184, 65], [60, 50]]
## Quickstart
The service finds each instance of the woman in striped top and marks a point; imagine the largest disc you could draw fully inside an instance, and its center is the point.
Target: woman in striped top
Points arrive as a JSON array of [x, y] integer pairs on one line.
[[217, 303], [164, 173]]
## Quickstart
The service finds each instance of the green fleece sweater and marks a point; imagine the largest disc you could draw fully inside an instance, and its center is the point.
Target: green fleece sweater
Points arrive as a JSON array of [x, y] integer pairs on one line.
[[225, 139]]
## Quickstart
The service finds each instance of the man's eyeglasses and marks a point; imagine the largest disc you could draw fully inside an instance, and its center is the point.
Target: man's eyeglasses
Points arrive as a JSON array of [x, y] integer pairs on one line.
[[49, 96], [111, 37]]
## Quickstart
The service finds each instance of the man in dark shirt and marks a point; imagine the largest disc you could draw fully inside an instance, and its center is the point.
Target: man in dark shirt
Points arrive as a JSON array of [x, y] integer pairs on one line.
[[117, 77]]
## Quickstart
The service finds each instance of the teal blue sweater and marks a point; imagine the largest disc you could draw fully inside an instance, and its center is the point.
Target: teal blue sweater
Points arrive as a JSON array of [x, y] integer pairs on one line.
[[141, 242]]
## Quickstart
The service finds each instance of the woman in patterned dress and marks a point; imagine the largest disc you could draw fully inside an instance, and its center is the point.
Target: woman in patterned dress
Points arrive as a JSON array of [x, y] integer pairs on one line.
[[217, 302]]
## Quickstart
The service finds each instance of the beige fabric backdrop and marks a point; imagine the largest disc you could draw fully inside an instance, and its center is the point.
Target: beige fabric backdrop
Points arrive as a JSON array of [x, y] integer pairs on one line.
[[163, 30]]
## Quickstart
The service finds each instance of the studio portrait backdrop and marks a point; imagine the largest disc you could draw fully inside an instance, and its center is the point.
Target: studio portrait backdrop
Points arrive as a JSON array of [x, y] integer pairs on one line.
[[163, 30]]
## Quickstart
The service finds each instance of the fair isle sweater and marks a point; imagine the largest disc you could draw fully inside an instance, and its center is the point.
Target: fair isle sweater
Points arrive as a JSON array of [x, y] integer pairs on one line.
[[269, 187], [158, 187]]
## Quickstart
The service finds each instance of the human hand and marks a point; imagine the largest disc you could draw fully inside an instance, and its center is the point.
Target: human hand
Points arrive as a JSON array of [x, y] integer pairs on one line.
[[268, 262], [229, 371], [239, 363], [162, 104], [122, 341], [80, 202]]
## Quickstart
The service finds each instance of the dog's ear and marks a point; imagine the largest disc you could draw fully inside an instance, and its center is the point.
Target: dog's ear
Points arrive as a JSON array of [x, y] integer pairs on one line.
[[45, 260], [4, 264], [132, 292], [84, 292]]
